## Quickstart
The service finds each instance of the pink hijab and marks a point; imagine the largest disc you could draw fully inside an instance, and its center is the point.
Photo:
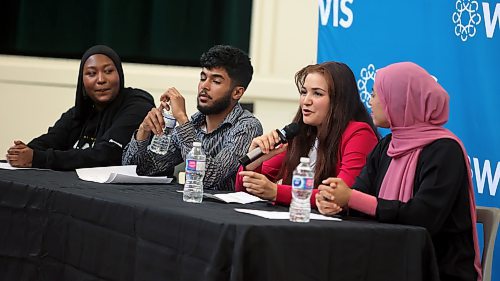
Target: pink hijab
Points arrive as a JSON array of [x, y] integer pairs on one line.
[[416, 107]]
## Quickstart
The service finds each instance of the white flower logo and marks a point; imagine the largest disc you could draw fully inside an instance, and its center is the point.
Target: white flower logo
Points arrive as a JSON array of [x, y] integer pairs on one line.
[[366, 75], [466, 13]]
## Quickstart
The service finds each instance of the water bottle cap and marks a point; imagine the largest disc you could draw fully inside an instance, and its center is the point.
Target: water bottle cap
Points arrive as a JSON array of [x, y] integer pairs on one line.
[[304, 160], [197, 144]]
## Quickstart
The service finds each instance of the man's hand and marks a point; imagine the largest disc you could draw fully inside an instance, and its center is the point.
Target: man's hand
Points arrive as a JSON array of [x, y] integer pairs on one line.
[[153, 122], [173, 100]]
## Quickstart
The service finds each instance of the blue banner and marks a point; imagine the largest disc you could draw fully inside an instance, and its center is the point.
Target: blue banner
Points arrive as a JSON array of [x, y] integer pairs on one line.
[[457, 41]]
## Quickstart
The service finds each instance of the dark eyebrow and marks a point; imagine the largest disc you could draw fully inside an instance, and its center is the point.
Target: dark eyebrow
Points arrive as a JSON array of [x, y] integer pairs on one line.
[[94, 67], [217, 76], [317, 88], [212, 75]]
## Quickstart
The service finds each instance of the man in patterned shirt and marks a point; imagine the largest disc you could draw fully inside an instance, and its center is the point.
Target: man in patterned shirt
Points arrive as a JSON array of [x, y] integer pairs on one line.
[[223, 127]]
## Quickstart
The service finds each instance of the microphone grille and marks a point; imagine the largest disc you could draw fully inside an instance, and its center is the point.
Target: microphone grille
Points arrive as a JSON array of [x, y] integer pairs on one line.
[[291, 130]]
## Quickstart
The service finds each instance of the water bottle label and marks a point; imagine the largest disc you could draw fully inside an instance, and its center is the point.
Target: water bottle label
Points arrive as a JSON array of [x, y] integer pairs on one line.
[[190, 165], [193, 165], [303, 182], [169, 121], [200, 165]]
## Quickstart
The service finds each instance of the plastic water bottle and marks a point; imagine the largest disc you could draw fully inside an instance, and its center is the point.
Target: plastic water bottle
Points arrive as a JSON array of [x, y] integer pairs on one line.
[[195, 171], [160, 143], [302, 186]]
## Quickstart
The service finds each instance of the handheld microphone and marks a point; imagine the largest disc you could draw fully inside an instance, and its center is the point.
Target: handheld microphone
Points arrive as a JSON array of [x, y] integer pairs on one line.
[[285, 134]]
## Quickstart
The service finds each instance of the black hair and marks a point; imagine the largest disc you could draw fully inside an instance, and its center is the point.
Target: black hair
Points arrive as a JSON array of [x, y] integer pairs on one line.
[[233, 60]]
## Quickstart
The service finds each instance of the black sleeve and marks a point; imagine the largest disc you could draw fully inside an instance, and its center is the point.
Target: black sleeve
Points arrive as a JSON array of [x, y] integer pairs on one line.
[[367, 179], [107, 150], [440, 174]]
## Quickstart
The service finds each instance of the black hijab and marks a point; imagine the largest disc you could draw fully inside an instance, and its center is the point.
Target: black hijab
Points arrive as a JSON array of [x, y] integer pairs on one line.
[[83, 104]]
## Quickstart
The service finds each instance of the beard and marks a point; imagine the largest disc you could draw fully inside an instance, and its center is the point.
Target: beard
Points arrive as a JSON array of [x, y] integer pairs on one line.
[[218, 106]]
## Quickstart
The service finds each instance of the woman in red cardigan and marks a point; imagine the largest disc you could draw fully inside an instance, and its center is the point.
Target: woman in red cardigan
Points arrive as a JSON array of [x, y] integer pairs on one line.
[[336, 133]]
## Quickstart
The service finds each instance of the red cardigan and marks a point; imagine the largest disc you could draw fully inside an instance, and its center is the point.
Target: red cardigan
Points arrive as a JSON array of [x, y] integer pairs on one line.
[[357, 142]]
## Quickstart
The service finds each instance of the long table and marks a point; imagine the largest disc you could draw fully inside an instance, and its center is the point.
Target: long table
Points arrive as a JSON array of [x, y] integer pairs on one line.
[[54, 226]]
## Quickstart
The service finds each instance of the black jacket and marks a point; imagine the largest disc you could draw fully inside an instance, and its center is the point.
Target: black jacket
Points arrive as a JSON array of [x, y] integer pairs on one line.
[[108, 130], [440, 202]]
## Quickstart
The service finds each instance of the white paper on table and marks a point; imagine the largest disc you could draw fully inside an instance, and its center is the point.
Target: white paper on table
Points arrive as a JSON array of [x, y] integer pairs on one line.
[[234, 197], [117, 174], [7, 166], [275, 215]]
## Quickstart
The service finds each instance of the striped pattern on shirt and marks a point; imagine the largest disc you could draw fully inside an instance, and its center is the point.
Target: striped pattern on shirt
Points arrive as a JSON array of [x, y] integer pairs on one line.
[[223, 147]]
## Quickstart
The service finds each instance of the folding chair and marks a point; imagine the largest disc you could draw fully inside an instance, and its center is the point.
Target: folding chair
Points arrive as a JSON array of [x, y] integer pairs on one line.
[[489, 217]]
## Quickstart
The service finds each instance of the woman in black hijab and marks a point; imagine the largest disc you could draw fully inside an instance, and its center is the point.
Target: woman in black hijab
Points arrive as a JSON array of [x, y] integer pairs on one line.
[[94, 131]]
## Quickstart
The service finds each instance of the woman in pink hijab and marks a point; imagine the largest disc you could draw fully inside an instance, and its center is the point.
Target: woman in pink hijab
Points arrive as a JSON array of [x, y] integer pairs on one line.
[[419, 174]]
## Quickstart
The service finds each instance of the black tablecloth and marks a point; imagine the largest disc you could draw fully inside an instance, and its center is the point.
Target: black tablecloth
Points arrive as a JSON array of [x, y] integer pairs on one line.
[[54, 226]]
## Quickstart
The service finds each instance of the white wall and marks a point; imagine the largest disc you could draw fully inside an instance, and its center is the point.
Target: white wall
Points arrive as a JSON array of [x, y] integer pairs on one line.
[[34, 92]]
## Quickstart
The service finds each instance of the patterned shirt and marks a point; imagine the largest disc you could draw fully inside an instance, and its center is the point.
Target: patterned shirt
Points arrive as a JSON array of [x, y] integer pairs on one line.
[[223, 147]]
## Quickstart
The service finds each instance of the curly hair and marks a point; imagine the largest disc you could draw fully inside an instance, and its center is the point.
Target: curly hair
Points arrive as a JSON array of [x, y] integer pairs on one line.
[[233, 60]]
